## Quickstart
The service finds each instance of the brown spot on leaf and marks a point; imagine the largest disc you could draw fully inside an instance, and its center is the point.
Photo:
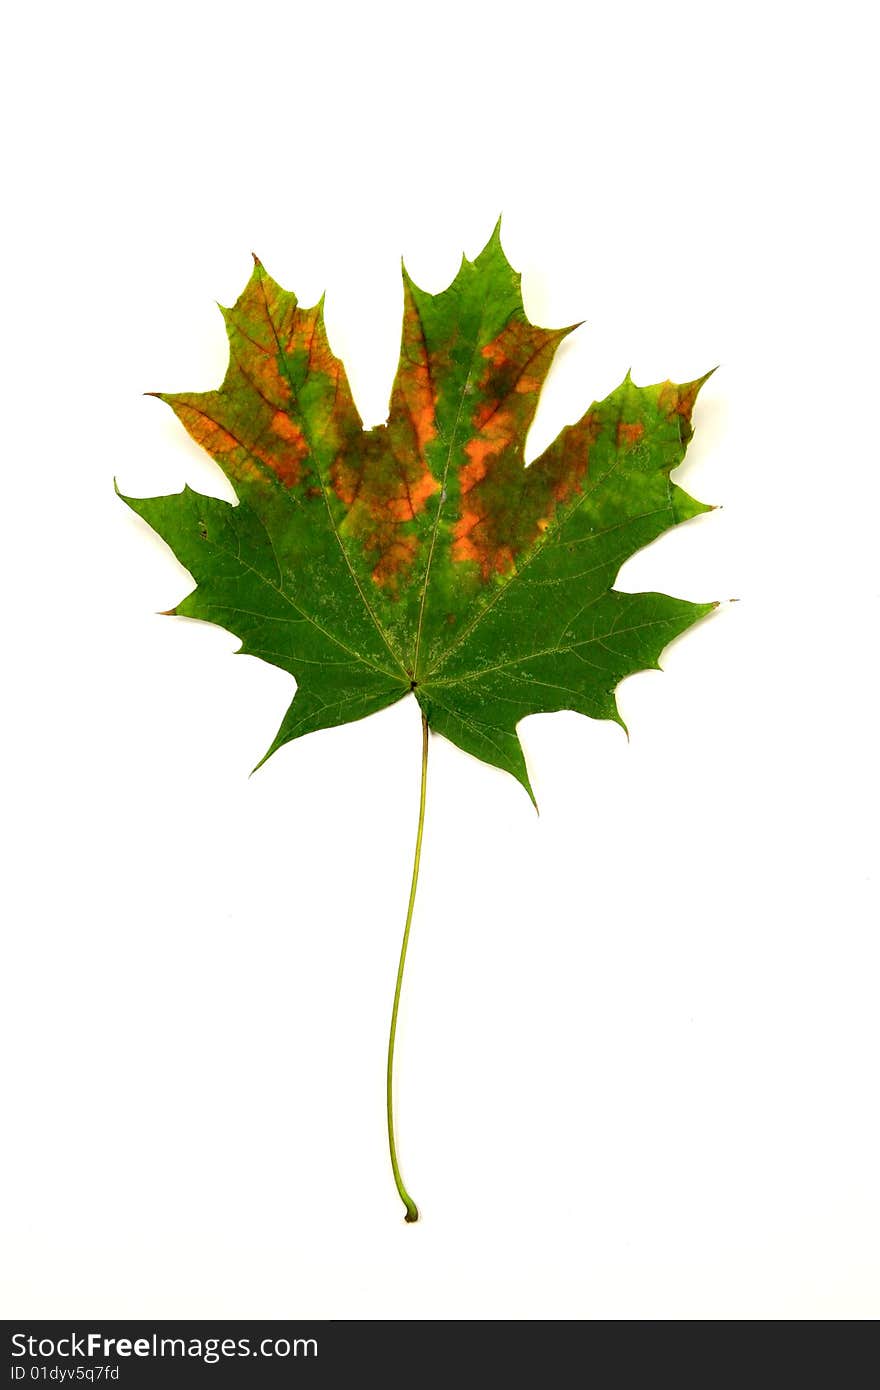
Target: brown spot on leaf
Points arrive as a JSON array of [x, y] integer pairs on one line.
[[346, 480], [406, 504], [527, 385], [495, 352], [412, 418], [235, 456], [415, 385], [678, 400], [474, 540], [383, 494], [558, 475], [284, 392], [396, 557], [207, 431], [501, 505], [307, 334]]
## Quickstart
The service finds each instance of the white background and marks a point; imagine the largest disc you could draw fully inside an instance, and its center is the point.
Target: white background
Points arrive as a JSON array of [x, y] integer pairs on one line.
[[639, 1043]]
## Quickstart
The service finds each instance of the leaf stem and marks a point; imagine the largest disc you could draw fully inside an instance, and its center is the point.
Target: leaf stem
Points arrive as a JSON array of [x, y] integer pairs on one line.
[[412, 1211]]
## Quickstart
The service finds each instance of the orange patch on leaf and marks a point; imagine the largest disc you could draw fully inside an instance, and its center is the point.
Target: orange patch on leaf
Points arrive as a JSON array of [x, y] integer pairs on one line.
[[463, 546], [400, 508], [214, 437], [527, 385], [285, 428], [286, 460], [629, 434], [407, 499], [234, 456], [422, 409], [472, 542], [494, 352], [420, 491], [496, 434]]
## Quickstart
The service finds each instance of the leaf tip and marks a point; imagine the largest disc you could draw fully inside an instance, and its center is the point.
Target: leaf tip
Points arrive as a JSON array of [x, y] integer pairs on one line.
[[560, 334], [493, 251], [695, 387], [265, 758], [525, 781], [615, 715]]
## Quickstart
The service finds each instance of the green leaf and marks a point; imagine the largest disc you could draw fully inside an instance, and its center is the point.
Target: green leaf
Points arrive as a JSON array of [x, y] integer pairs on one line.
[[423, 555]]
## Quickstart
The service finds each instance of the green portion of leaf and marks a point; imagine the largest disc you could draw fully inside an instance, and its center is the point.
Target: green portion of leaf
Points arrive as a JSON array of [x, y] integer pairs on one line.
[[244, 587], [423, 554]]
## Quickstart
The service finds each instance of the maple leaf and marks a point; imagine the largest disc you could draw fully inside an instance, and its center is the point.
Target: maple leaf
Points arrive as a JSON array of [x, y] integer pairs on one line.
[[423, 555]]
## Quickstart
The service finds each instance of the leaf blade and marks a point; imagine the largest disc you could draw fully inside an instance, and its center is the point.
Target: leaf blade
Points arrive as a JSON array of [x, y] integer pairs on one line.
[[423, 554]]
